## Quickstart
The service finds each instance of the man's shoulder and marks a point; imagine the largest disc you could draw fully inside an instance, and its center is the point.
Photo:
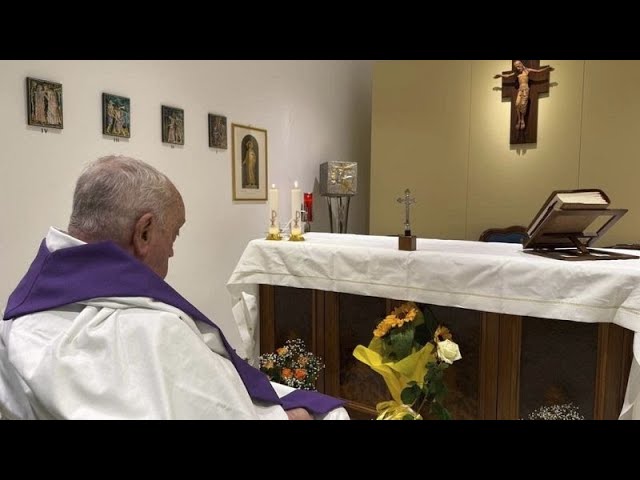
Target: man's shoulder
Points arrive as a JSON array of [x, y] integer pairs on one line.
[[136, 320], [134, 309], [146, 311], [134, 304]]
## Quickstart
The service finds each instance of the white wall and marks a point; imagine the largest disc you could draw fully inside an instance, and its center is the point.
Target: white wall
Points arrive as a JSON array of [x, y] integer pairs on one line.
[[313, 111]]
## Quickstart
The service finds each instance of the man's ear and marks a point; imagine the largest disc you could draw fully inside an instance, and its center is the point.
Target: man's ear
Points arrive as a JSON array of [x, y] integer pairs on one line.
[[142, 233]]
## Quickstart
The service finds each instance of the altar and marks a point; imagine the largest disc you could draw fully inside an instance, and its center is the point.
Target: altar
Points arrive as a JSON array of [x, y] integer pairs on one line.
[[505, 308]]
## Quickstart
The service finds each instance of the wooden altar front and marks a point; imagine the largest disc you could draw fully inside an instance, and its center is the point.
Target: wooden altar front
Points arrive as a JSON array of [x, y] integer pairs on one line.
[[511, 364]]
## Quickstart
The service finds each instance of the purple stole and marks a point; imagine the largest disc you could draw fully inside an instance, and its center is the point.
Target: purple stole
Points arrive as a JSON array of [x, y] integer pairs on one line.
[[103, 269]]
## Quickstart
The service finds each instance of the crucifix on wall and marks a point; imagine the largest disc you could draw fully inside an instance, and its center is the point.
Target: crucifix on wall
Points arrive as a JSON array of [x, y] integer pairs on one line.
[[522, 85]]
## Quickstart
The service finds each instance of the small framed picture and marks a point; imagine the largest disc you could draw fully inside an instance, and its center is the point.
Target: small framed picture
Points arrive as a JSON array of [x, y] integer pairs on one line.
[[116, 116], [44, 103], [172, 125], [249, 157], [217, 131]]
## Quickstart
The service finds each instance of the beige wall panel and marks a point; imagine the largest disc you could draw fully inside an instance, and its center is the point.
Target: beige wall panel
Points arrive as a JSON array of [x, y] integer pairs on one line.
[[610, 133], [420, 132], [508, 183]]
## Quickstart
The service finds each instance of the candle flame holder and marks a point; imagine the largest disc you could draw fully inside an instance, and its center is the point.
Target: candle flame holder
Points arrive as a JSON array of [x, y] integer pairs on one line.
[[307, 213]]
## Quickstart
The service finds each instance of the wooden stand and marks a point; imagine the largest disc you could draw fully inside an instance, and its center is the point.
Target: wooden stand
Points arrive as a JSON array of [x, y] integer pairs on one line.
[[562, 235], [407, 242]]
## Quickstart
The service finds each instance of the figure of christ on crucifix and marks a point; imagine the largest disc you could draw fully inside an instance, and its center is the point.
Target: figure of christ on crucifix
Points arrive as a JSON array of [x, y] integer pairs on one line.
[[522, 85]]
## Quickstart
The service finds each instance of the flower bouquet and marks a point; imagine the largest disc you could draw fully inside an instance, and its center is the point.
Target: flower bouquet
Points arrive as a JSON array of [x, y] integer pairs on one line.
[[292, 365], [565, 411], [411, 352]]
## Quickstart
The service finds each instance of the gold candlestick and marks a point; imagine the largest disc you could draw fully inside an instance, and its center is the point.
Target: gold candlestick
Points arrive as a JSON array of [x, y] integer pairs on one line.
[[296, 231], [274, 230]]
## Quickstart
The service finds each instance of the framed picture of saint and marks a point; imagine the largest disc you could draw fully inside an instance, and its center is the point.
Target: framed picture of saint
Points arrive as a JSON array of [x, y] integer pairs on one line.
[[172, 125], [116, 116], [249, 167], [44, 103]]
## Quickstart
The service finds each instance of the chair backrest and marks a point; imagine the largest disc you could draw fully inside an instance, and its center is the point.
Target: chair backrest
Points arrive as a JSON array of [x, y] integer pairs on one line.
[[512, 234]]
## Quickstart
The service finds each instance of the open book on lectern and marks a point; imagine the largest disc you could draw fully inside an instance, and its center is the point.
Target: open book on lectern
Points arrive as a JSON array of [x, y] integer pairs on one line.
[[571, 220]]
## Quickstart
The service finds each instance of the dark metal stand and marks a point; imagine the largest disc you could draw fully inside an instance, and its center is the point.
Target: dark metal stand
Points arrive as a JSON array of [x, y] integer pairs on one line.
[[338, 213]]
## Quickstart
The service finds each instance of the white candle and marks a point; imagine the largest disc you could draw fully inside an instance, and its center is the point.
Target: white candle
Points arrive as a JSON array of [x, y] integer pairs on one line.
[[296, 200], [274, 200]]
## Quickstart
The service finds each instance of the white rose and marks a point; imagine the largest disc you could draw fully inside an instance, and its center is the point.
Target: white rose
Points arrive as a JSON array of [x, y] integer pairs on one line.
[[448, 351]]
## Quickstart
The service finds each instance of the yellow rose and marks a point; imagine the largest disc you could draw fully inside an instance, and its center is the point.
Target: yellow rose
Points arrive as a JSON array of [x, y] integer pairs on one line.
[[448, 351]]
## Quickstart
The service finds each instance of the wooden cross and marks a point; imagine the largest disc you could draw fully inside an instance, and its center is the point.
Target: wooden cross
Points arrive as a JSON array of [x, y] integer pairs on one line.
[[538, 83]]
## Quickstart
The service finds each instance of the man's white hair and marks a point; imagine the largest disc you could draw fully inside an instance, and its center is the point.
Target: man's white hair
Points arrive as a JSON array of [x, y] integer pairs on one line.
[[113, 192]]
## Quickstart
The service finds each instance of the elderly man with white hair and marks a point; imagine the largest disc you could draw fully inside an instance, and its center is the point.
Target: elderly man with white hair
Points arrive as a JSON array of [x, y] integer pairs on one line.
[[94, 332]]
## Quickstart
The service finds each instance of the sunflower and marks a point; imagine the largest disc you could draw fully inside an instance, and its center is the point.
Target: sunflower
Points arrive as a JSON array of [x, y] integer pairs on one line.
[[441, 334], [405, 313]]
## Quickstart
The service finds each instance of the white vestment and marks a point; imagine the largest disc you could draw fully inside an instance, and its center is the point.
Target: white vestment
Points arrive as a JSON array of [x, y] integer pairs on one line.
[[121, 358]]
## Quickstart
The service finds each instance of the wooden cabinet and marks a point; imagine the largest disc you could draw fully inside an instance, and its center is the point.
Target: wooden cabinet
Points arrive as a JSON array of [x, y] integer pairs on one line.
[[511, 365]]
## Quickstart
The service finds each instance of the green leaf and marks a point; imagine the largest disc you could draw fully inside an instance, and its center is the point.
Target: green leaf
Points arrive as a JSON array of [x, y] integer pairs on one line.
[[445, 414], [435, 409], [433, 374], [439, 411], [441, 394], [400, 342], [410, 394], [426, 388], [435, 387]]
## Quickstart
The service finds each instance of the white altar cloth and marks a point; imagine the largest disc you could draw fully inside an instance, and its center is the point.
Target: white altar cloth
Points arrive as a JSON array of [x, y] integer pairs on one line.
[[491, 277]]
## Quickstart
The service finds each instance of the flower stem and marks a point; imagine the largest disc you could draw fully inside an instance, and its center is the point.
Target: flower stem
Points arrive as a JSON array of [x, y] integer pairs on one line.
[[424, 399]]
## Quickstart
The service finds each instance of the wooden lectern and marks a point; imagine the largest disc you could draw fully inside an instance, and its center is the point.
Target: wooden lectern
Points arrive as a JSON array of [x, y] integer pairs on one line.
[[565, 230]]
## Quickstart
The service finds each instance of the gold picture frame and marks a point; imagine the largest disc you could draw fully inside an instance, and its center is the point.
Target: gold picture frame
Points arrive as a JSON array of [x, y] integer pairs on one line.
[[249, 163]]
